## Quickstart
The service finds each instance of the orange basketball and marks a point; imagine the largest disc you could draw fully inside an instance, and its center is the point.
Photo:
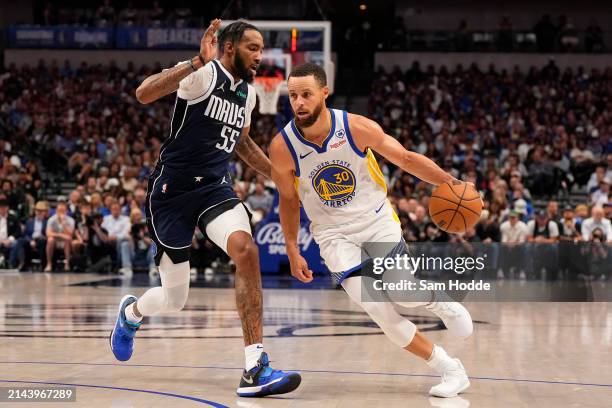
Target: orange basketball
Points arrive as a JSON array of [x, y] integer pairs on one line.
[[454, 207]]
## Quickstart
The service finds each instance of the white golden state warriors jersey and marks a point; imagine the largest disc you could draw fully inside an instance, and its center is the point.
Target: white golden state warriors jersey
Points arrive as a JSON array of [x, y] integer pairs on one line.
[[336, 182]]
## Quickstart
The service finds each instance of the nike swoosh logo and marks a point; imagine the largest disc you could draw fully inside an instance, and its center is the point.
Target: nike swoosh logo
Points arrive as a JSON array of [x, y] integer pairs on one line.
[[379, 208], [248, 380], [304, 155]]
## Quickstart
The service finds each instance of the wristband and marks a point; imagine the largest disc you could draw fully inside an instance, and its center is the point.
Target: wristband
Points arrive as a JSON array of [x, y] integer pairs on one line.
[[191, 65], [201, 59]]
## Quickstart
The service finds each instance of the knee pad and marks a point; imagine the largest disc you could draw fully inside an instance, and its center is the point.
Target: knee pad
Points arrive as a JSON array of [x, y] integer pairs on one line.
[[175, 298], [175, 283], [397, 328]]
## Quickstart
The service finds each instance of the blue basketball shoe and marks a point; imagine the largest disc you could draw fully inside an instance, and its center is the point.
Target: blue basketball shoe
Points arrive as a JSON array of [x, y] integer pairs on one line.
[[122, 336], [263, 380]]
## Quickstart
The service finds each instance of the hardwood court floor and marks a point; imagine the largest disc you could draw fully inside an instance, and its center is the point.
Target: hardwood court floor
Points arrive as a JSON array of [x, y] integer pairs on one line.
[[521, 354]]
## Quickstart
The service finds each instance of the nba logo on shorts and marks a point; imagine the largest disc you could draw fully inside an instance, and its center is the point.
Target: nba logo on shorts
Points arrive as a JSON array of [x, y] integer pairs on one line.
[[164, 187]]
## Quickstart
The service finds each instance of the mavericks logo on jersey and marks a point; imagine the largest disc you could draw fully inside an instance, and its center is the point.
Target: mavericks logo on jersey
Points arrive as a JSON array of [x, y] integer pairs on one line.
[[334, 183], [225, 111]]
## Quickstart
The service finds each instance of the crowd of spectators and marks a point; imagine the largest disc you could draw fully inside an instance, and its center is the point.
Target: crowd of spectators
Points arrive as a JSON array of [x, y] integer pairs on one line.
[[519, 137], [107, 14], [524, 139], [83, 125], [547, 35]]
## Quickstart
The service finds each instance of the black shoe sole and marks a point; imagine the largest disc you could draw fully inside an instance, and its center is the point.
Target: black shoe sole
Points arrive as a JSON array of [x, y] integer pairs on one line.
[[283, 387], [290, 384]]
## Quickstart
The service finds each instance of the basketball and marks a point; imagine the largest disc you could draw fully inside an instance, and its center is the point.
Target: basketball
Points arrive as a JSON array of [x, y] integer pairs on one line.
[[454, 207]]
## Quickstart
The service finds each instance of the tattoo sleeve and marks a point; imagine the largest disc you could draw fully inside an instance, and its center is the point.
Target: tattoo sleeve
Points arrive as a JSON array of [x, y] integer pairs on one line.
[[162, 84], [253, 156]]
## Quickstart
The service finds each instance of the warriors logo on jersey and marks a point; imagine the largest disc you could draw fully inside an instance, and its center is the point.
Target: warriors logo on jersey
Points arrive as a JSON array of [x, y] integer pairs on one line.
[[334, 183]]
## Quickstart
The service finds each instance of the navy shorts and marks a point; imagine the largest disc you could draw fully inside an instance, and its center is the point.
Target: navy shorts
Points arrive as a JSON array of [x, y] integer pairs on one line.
[[177, 202]]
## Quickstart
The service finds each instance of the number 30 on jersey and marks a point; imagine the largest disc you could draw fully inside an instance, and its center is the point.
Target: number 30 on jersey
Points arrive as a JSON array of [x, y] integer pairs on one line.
[[229, 136]]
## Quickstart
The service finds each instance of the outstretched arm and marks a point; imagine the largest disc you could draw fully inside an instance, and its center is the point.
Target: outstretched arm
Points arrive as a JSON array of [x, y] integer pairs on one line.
[[252, 154], [164, 83], [283, 174], [367, 133]]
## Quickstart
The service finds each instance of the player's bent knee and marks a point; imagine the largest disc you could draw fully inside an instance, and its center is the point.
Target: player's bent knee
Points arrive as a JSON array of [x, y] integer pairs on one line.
[[177, 298], [242, 249], [399, 330]]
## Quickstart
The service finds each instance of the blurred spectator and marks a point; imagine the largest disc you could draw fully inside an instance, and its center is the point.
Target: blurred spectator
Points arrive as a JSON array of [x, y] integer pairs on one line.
[[600, 174], [105, 15], [505, 35], [81, 234], [488, 229], [489, 233], [34, 239], [546, 34], [74, 199], [60, 229], [593, 37], [581, 214], [10, 231], [601, 196], [568, 36], [568, 250], [128, 17], [513, 233], [143, 250], [118, 227], [98, 247], [542, 230], [157, 15], [260, 200], [597, 254], [462, 37], [597, 220]]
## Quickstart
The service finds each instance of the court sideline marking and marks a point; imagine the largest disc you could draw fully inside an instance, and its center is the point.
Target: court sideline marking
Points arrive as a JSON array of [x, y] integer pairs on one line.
[[312, 371]]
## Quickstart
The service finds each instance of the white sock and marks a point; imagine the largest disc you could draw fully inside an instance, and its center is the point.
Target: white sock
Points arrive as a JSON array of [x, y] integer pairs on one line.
[[252, 354], [130, 315], [439, 360]]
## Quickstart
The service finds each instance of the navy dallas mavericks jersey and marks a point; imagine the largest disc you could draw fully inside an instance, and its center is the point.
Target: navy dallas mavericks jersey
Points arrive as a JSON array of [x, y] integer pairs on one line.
[[190, 184], [204, 131]]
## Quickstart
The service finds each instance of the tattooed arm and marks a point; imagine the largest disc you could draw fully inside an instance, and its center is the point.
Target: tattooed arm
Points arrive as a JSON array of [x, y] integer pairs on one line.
[[164, 83], [252, 154]]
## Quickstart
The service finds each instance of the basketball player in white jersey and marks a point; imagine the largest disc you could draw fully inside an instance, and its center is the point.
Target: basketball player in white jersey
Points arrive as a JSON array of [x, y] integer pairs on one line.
[[324, 159]]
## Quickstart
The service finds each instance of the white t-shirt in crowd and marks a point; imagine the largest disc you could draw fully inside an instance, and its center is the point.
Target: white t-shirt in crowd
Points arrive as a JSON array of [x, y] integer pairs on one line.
[[516, 233]]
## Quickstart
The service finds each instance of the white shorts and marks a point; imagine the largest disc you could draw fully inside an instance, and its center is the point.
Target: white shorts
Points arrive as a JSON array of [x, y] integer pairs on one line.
[[340, 244], [219, 229]]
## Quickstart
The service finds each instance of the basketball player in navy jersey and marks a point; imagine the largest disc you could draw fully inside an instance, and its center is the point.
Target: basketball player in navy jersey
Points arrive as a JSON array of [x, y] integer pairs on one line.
[[191, 186], [323, 159]]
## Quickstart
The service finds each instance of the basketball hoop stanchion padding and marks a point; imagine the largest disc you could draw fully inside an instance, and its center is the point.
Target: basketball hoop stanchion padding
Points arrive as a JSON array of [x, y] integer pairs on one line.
[[268, 92]]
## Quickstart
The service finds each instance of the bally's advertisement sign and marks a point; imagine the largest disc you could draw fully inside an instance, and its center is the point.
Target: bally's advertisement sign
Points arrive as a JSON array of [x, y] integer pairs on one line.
[[271, 242]]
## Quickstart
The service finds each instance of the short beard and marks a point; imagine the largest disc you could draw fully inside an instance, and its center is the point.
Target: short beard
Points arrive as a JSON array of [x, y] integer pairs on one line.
[[311, 119], [241, 68]]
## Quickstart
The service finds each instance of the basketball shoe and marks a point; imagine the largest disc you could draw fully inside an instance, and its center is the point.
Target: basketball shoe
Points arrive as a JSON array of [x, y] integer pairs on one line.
[[454, 379], [456, 318], [263, 380], [122, 336]]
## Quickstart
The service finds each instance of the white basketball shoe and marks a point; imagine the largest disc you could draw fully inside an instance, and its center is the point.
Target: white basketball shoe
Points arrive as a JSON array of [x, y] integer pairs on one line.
[[454, 377], [456, 318]]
